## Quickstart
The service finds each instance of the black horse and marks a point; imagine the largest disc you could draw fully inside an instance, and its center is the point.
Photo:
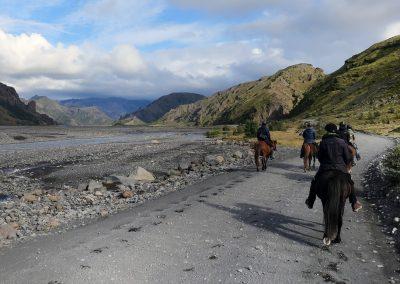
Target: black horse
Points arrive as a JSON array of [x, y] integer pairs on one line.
[[333, 188]]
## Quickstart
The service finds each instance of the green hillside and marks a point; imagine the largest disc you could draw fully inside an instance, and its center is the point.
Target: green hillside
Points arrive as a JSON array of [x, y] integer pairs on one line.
[[365, 91], [267, 98]]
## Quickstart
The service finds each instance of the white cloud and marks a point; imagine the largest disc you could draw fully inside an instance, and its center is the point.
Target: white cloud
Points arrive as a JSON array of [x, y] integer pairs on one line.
[[392, 30]]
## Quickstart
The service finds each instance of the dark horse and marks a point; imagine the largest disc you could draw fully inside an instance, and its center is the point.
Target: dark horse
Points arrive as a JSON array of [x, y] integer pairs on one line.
[[333, 188], [310, 151], [264, 150]]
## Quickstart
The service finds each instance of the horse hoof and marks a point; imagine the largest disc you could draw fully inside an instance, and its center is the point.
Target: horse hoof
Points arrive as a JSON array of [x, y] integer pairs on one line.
[[337, 241], [326, 241]]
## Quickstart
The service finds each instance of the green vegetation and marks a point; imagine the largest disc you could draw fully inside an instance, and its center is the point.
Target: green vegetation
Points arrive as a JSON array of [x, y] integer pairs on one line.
[[267, 98], [250, 128], [365, 91], [213, 133], [392, 166]]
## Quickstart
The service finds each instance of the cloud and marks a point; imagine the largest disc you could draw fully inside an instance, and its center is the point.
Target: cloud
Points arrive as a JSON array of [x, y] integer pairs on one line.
[[392, 30]]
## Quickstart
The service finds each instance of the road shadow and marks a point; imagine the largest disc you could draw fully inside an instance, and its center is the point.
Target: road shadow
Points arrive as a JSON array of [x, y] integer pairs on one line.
[[264, 218]]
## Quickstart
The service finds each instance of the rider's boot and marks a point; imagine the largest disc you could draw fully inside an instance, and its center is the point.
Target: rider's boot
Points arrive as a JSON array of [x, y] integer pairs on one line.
[[309, 203], [272, 155], [358, 157]]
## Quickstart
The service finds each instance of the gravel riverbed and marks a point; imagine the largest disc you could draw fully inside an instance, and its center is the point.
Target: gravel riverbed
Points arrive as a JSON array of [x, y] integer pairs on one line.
[[45, 190]]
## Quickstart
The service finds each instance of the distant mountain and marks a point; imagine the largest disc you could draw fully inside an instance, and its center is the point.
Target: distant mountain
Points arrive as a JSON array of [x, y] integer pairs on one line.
[[14, 112], [72, 116], [365, 91], [113, 107], [161, 106], [270, 97]]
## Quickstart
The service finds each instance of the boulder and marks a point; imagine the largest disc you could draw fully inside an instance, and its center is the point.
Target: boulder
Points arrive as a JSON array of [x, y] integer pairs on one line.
[[184, 165], [53, 223], [95, 185], [37, 192], [172, 173], [238, 155], [7, 232], [54, 197], [214, 160], [103, 212], [127, 194], [142, 174], [30, 198]]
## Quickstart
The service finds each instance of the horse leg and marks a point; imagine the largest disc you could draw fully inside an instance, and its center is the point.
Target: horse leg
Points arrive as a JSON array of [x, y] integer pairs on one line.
[[257, 159], [264, 163], [338, 239]]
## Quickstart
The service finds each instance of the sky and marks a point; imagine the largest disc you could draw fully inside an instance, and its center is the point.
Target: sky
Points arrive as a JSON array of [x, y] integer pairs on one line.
[[149, 48]]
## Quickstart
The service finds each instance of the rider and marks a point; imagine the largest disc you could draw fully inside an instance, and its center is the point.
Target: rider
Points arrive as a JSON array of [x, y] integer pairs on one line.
[[333, 154], [352, 140], [347, 134], [309, 136], [263, 134]]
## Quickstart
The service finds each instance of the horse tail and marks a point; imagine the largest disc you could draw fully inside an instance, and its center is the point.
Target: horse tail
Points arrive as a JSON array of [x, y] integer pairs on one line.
[[332, 208]]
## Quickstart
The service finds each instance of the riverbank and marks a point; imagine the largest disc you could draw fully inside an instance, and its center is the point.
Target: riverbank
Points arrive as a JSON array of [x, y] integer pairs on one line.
[[49, 190]]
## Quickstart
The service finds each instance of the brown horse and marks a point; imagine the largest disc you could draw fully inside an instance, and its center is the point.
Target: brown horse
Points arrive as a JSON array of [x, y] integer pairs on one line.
[[310, 152], [333, 188], [264, 150], [353, 153]]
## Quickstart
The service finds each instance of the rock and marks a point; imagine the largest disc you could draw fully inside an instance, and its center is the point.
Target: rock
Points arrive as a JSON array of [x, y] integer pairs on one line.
[[183, 165], [127, 194], [396, 219], [214, 160], [37, 192], [174, 173], [238, 155], [98, 193], [142, 174], [53, 223], [155, 141], [7, 232], [28, 197], [95, 185], [89, 199], [103, 212], [54, 198]]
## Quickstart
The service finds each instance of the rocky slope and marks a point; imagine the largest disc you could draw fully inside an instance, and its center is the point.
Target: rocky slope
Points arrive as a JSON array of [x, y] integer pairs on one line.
[[72, 116], [364, 91], [14, 112], [161, 106], [113, 107], [269, 97]]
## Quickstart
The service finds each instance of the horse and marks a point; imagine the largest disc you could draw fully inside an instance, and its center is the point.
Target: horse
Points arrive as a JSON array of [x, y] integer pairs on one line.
[[333, 188], [353, 153], [261, 148], [310, 151]]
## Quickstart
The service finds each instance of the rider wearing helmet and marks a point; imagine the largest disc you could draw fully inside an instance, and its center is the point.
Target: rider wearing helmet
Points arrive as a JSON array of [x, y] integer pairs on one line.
[[333, 155], [263, 134], [309, 136]]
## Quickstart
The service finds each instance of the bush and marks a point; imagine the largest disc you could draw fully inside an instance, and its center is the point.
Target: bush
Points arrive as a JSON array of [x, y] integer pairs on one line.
[[392, 165], [215, 132], [250, 128], [278, 125], [240, 129]]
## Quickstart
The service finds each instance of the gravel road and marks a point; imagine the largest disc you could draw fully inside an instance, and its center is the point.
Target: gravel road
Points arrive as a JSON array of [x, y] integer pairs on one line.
[[240, 227]]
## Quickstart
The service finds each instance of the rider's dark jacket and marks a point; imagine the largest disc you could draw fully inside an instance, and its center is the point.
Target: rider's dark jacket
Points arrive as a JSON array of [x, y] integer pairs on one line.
[[309, 135], [263, 134], [333, 153]]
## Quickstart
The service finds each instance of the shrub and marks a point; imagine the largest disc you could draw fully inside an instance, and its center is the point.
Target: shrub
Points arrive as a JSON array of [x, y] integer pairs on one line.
[[377, 114], [240, 129], [215, 132], [392, 165], [278, 125], [250, 128]]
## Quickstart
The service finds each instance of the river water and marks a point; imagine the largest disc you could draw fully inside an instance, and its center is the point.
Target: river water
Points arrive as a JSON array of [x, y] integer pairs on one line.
[[139, 138]]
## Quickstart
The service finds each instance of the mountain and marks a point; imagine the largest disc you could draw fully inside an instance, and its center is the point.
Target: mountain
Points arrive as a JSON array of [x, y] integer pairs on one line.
[[113, 107], [71, 115], [161, 106], [364, 91], [269, 97], [14, 112]]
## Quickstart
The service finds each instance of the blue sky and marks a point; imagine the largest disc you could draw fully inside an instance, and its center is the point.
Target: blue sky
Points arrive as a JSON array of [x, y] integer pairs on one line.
[[148, 48]]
